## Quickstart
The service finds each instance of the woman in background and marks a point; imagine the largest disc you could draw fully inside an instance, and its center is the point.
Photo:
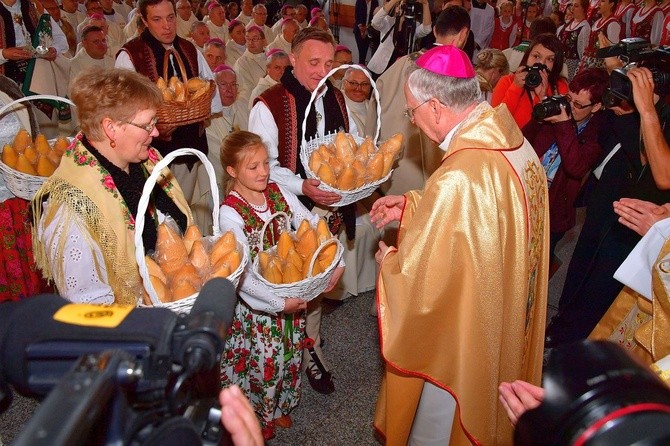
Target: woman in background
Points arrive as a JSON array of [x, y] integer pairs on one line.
[[491, 66]]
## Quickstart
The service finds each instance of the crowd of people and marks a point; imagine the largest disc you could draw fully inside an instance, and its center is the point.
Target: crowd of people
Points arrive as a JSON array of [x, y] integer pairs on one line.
[[505, 131]]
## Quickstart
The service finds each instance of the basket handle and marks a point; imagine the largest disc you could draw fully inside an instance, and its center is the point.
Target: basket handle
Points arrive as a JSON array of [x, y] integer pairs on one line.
[[180, 64], [144, 203], [35, 97], [317, 252], [320, 85], [267, 223]]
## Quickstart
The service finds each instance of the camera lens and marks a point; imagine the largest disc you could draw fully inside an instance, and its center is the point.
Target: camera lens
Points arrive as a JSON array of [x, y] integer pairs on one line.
[[533, 79], [597, 396], [545, 109], [610, 99], [661, 79]]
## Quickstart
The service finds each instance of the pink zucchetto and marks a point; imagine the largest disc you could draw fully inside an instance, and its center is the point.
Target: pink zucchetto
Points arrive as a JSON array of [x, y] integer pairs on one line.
[[213, 5], [215, 40], [255, 28], [274, 51], [96, 16], [447, 60], [339, 48], [315, 11], [233, 23], [223, 67]]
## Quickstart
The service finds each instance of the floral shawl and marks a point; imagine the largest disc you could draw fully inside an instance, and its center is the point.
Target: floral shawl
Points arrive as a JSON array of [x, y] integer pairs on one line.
[[90, 200]]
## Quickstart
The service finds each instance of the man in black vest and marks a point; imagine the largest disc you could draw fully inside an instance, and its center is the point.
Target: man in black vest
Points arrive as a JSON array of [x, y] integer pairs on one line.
[[145, 54], [277, 117]]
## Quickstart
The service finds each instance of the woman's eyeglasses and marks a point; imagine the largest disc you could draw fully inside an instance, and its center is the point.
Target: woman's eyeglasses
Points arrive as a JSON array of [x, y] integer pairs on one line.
[[148, 127], [356, 85]]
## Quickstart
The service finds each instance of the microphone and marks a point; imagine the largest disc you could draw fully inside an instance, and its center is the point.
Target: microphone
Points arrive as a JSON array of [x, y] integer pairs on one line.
[[198, 344]]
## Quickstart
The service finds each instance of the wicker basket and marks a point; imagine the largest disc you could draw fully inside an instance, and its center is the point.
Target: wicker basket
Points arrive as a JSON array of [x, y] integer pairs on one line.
[[348, 196], [306, 289], [176, 114], [182, 305], [21, 184]]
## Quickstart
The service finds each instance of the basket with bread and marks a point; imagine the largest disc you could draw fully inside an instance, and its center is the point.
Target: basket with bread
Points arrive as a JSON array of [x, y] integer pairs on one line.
[[349, 165], [26, 163], [183, 102], [174, 274], [302, 263]]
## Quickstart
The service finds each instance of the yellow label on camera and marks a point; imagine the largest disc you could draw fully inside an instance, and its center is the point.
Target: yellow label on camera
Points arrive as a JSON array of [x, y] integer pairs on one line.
[[108, 316]]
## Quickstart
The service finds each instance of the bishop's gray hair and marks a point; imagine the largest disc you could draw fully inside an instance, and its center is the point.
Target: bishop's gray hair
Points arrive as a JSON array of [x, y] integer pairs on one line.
[[455, 93]]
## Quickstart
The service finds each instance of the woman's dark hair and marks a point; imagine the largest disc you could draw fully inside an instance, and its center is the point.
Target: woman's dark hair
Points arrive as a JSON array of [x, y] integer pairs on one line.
[[542, 25], [593, 80], [550, 42]]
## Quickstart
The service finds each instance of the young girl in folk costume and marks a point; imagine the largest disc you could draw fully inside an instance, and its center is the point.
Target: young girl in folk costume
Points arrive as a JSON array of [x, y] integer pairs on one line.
[[505, 28], [606, 24], [647, 22], [575, 36], [263, 352]]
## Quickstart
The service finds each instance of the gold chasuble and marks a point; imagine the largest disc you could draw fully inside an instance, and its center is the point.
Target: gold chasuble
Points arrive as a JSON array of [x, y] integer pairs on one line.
[[638, 325], [88, 196], [462, 299]]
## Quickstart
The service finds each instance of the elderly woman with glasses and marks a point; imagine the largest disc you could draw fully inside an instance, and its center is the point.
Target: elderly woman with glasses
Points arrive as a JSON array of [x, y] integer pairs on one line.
[[567, 145], [84, 215]]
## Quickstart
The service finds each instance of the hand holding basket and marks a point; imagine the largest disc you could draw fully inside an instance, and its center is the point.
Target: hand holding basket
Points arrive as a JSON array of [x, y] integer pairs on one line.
[[308, 147]]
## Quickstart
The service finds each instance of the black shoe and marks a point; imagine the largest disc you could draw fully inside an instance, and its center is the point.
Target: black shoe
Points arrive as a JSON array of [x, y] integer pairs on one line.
[[323, 384]]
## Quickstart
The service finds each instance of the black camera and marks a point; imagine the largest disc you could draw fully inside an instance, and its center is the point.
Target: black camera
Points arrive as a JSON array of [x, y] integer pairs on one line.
[[551, 106], [596, 394], [533, 78], [411, 10], [635, 52]]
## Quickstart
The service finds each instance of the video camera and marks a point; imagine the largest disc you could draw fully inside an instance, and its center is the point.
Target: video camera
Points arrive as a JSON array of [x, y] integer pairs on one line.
[[635, 52], [116, 374], [597, 395], [551, 106]]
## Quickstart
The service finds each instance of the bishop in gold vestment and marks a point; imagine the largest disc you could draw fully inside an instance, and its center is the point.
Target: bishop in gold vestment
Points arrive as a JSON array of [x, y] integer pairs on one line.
[[462, 298]]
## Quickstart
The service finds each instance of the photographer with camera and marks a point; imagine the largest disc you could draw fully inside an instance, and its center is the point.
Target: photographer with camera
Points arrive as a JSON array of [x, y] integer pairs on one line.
[[397, 23], [634, 166], [537, 77], [565, 137]]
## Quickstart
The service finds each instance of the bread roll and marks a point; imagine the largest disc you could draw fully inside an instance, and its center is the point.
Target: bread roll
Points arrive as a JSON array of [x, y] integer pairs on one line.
[[284, 245], [162, 291], [154, 269], [41, 144], [291, 274], [223, 246], [307, 244], [191, 235], [322, 231], [199, 258], [9, 156], [347, 179], [183, 289], [327, 175], [170, 250]]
